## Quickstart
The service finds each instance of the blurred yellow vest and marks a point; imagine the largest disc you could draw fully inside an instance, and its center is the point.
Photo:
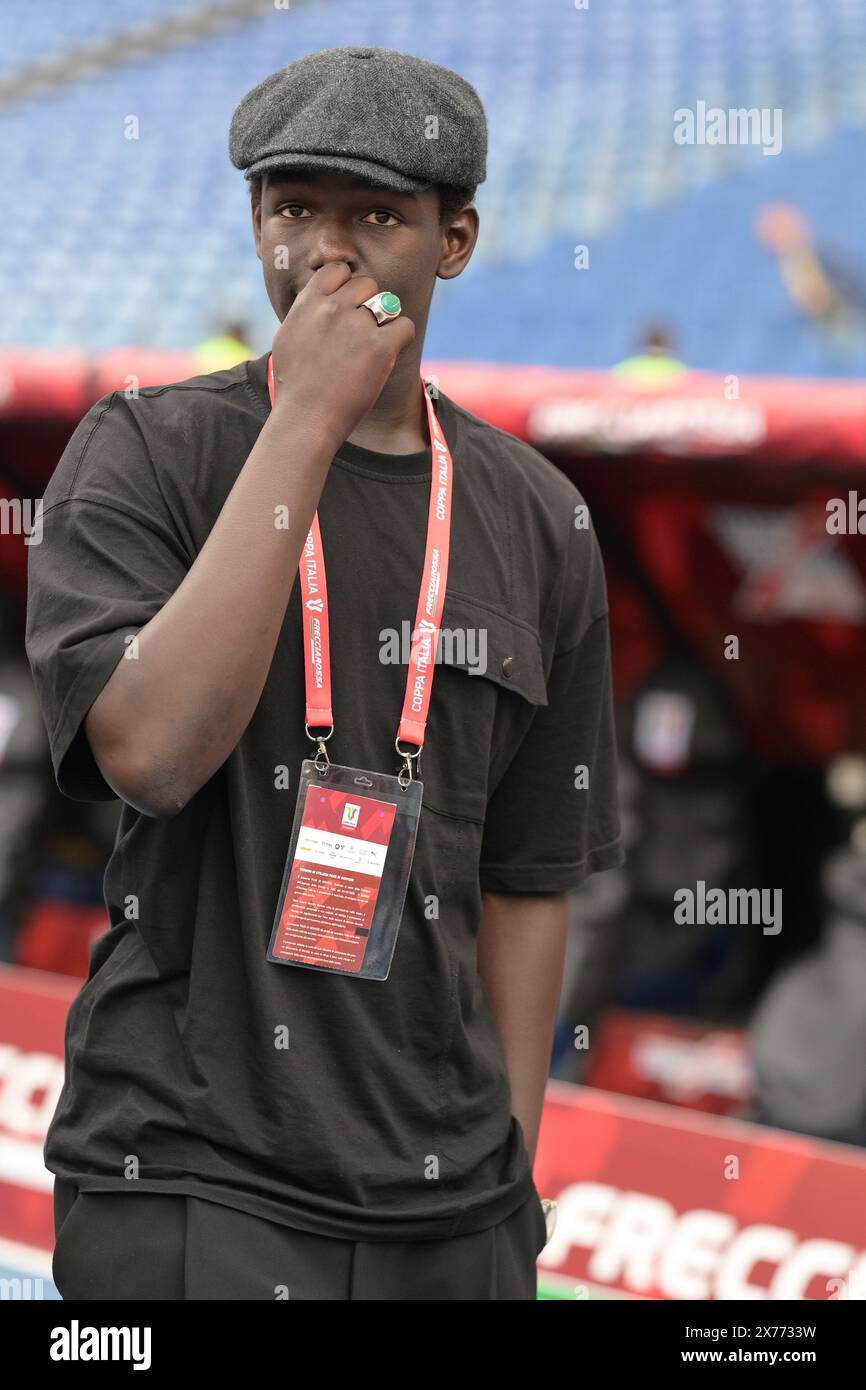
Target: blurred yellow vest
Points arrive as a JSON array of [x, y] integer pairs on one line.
[[216, 354]]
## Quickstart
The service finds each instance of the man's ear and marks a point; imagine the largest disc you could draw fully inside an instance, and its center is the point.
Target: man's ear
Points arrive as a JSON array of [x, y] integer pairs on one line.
[[460, 242]]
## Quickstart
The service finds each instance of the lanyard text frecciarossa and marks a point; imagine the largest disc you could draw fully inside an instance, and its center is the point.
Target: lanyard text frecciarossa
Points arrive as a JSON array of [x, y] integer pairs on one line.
[[314, 600]]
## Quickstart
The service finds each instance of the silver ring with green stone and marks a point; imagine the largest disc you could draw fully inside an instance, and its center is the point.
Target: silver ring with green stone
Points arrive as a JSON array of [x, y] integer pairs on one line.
[[383, 306]]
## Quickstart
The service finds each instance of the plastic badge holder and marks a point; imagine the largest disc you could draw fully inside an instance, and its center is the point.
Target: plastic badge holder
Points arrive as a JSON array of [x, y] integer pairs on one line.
[[347, 871]]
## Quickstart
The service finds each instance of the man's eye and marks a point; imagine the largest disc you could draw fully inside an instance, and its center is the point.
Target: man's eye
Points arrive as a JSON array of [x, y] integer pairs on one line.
[[382, 212], [291, 208]]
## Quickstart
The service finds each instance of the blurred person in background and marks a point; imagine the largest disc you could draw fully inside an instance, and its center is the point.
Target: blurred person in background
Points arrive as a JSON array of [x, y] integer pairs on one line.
[[224, 349], [654, 364], [829, 292]]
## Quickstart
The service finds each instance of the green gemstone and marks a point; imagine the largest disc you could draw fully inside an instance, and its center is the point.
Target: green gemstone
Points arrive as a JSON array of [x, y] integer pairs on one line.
[[390, 303]]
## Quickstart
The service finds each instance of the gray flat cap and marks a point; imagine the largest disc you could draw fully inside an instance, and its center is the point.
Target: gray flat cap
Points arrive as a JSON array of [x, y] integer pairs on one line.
[[386, 116]]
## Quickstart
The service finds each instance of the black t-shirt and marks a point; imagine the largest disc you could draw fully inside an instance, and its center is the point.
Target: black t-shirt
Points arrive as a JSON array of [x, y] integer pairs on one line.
[[374, 1110]]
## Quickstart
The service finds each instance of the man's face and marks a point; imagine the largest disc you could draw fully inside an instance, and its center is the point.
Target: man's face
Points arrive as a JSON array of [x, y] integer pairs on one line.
[[309, 217]]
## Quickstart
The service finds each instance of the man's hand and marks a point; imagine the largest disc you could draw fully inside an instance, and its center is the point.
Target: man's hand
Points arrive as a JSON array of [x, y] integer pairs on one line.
[[330, 356]]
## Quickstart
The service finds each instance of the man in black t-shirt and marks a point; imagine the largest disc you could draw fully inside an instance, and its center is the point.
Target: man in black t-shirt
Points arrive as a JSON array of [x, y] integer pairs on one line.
[[233, 1127]]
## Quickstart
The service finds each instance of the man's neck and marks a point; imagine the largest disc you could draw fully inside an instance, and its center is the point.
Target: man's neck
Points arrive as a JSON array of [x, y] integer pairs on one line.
[[396, 423]]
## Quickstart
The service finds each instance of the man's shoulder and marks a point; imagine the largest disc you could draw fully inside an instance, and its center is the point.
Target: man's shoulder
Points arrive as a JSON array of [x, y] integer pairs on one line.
[[179, 401], [173, 399], [204, 390], [133, 430], [515, 462]]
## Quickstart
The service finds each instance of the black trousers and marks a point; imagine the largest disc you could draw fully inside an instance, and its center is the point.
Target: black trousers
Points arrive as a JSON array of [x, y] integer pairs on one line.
[[133, 1246]]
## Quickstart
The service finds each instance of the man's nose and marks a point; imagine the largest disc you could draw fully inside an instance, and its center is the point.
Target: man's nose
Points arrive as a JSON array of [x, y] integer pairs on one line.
[[332, 242]]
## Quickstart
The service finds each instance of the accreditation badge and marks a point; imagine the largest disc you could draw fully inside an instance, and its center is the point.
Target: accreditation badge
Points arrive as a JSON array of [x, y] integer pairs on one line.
[[347, 871]]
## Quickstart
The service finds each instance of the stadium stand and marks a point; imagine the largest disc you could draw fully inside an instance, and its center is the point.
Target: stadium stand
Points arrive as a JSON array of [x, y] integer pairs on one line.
[[575, 161]]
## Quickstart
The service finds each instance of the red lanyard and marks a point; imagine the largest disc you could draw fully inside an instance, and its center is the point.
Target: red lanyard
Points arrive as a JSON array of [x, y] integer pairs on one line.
[[431, 599]]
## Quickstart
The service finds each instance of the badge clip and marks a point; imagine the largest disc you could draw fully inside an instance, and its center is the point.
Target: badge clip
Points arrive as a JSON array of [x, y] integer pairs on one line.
[[405, 774], [321, 767]]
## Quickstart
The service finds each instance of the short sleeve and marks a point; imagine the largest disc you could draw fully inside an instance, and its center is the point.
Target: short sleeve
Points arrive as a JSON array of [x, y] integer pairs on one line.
[[554, 818], [102, 561]]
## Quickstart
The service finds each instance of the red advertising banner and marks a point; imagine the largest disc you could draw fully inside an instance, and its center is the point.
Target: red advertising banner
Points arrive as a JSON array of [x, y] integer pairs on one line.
[[660, 1203], [779, 420], [33, 1008]]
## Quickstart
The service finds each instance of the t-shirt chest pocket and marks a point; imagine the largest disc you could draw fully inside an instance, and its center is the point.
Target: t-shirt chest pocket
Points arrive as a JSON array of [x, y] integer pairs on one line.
[[489, 678]]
